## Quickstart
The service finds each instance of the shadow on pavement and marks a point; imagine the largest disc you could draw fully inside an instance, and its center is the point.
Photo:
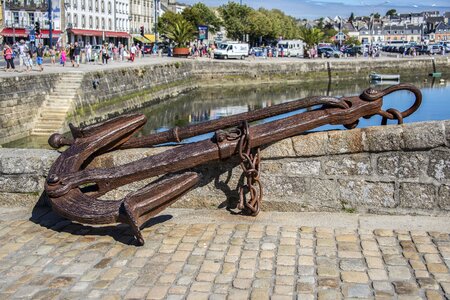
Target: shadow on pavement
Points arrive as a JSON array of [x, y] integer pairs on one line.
[[43, 215]]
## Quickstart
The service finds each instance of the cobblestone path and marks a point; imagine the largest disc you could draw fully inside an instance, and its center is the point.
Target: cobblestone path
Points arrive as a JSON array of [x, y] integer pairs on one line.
[[229, 258]]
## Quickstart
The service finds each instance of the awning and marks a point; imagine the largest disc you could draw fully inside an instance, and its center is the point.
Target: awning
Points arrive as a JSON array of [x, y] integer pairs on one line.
[[17, 32], [20, 32], [84, 32], [150, 37], [45, 34], [141, 39], [117, 34]]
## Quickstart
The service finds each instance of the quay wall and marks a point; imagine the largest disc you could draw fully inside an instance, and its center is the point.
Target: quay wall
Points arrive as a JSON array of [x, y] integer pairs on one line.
[[128, 88], [20, 100], [402, 169]]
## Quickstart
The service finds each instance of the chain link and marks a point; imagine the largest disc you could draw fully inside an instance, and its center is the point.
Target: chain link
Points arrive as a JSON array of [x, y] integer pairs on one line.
[[250, 164]]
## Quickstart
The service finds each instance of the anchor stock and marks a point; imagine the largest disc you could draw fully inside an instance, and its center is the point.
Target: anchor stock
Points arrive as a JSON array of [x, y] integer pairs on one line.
[[68, 175]]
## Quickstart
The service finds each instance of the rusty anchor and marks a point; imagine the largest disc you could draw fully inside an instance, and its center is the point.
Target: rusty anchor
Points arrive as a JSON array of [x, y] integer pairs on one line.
[[68, 177]]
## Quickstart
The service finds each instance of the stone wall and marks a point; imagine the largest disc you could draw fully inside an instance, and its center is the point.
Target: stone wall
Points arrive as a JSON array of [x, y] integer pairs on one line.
[[20, 99], [392, 169]]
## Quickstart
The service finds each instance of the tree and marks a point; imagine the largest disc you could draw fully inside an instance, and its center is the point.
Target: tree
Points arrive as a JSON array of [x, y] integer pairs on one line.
[[352, 41], [311, 36], [181, 32], [351, 18], [167, 19], [376, 15], [391, 12], [235, 19], [200, 14]]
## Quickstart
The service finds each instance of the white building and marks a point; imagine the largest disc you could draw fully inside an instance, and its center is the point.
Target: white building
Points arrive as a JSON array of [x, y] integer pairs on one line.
[[20, 17], [97, 21]]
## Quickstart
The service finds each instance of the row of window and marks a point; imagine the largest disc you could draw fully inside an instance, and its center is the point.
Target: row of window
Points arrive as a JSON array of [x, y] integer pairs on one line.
[[98, 5], [98, 24]]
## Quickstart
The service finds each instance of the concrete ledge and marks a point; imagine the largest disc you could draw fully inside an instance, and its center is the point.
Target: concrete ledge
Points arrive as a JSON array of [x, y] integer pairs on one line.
[[388, 170]]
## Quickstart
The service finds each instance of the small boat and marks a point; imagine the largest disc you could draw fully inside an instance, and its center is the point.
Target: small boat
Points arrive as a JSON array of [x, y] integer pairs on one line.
[[375, 76], [436, 74]]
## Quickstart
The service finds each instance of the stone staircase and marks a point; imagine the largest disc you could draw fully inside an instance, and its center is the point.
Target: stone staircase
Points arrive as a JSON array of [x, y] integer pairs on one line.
[[52, 114]]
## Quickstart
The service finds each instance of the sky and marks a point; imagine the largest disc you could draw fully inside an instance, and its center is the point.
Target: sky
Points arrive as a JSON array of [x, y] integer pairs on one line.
[[312, 9]]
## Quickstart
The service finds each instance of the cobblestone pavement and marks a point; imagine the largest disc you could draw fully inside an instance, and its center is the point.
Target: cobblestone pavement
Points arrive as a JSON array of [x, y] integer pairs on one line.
[[215, 255]]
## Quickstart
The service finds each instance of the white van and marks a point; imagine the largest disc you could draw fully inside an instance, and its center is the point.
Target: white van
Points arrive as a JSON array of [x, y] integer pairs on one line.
[[291, 48], [228, 50]]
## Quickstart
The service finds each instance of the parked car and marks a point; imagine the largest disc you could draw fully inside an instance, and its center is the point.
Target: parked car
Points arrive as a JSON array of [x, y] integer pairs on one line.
[[329, 52], [148, 49], [353, 51], [433, 49], [257, 51], [421, 50]]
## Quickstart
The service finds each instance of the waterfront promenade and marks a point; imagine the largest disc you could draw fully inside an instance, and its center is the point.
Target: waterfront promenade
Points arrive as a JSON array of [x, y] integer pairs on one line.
[[198, 254], [152, 60]]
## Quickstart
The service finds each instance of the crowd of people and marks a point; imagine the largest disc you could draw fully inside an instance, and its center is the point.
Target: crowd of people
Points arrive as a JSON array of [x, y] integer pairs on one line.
[[72, 54]]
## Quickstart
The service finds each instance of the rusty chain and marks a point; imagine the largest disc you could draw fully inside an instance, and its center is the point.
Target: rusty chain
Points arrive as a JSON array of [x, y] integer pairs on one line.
[[250, 164]]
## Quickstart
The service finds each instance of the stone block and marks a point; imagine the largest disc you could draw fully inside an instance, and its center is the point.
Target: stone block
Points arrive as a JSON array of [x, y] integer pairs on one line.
[[284, 186], [365, 193], [427, 135], [447, 132], [280, 149], [302, 168], [417, 195], [358, 164], [313, 144], [383, 138], [18, 199], [444, 197], [343, 142], [401, 165], [26, 161], [322, 193], [21, 184], [439, 165]]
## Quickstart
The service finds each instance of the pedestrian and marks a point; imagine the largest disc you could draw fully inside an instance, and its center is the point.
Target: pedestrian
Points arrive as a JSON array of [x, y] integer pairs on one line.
[[88, 50], [76, 54], [52, 55], [40, 56], [105, 55], [132, 52], [23, 55], [63, 57], [9, 57], [71, 53], [121, 52]]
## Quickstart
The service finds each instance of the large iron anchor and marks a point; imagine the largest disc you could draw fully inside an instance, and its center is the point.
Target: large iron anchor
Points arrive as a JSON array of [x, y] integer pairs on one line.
[[74, 190]]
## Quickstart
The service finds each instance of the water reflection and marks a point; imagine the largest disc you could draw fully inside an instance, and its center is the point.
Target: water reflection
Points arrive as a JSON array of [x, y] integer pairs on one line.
[[217, 102]]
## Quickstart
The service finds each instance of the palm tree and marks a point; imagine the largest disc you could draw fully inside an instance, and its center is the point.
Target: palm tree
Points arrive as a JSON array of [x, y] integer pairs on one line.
[[311, 36], [181, 32]]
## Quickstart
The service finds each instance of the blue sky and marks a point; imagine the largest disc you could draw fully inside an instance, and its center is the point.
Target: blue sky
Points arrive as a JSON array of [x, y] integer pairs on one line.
[[316, 8]]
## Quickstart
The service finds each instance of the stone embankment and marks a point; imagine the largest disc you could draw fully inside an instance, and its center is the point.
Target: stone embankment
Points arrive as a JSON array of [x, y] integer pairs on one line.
[[112, 91], [392, 169]]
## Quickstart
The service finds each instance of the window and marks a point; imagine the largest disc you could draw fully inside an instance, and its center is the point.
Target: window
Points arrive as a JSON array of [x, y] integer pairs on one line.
[[16, 17], [83, 4], [91, 25], [83, 21], [96, 5], [103, 6], [31, 18], [90, 5], [103, 23], [109, 24], [75, 4], [75, 20], [97, 23], [109, 7]]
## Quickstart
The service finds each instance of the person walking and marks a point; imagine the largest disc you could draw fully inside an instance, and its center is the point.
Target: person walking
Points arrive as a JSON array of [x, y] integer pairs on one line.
[[40, 57], [23, 55], [63, 57], [76, 54], [132, 52], [52, 55], [88, 50], [105, 55], [9, 57]]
